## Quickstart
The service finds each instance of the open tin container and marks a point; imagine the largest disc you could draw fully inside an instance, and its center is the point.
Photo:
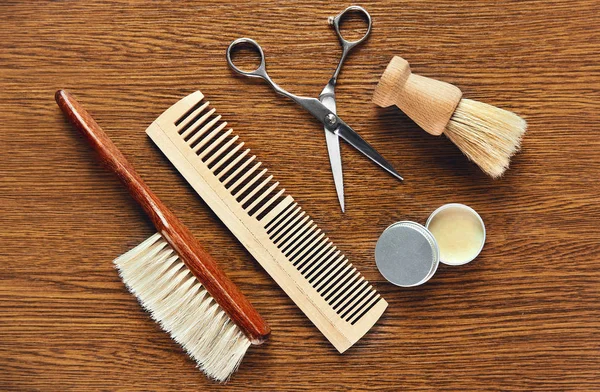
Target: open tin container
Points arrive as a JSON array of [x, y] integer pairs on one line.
[[408, 254]]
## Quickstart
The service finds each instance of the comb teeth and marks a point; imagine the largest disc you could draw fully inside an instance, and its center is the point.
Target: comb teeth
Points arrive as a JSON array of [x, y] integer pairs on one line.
[[175, 299], [280, 235]]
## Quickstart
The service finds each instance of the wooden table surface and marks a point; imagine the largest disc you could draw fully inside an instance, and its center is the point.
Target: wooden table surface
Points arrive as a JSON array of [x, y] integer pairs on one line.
[[525, 315]]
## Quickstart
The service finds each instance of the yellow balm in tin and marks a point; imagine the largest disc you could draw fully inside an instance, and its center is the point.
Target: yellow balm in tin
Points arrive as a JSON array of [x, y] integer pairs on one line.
[[459, 232]]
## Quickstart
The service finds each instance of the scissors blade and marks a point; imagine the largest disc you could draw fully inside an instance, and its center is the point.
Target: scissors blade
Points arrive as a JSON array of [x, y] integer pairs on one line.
[[354, 139], [333, 148], [321, 113]]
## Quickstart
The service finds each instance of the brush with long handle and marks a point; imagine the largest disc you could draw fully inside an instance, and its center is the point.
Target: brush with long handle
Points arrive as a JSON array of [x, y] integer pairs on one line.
[[487, 135], [173, 277]]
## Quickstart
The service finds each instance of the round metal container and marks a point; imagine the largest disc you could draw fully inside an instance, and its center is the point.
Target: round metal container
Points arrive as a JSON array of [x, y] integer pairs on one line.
[[407, 254]]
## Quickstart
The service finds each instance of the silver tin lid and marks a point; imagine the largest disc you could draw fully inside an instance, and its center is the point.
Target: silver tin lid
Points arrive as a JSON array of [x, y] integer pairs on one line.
[[407, 254]]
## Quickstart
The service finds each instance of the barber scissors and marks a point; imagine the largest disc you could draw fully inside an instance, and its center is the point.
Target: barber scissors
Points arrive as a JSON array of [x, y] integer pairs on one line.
[[324, 108]]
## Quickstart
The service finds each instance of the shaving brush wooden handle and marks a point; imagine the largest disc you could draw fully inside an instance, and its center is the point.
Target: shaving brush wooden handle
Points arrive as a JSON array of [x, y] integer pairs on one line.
[[428, 102]]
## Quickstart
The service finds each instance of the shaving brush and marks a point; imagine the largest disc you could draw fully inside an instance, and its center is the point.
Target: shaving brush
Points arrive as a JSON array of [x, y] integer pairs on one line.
[[487, 135]]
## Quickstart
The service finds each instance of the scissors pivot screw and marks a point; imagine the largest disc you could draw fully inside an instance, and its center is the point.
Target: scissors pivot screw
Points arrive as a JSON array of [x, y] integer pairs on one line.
[[331, 119]]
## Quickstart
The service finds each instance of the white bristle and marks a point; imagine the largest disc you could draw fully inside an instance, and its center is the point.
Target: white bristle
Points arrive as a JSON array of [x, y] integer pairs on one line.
[[175, 299], [487, 135]]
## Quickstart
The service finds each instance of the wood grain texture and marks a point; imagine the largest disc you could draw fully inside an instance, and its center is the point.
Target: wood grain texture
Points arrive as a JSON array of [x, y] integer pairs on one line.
[[523, 316]]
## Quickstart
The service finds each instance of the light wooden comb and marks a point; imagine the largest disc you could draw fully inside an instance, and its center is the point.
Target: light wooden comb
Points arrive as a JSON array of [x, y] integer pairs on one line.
[[274, 229]]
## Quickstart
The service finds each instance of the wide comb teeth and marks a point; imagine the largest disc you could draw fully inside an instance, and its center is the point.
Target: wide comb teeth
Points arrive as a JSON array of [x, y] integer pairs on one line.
[[218, 148], [279, 234]]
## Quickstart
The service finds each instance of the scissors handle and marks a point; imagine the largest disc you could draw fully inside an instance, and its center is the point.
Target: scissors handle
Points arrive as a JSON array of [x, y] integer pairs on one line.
[[347, 45], [312, 105], [261, 70], [335, 21]]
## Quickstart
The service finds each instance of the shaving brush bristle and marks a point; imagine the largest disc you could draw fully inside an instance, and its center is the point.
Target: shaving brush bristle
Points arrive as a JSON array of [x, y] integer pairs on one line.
[[487, 135]]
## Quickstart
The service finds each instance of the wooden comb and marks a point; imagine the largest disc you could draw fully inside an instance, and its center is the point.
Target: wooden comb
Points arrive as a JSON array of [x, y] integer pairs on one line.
[[274, 229]]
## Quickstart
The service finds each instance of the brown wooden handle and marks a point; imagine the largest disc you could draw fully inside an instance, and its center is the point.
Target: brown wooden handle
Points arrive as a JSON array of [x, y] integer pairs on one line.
[[428, 102], [202, 265]]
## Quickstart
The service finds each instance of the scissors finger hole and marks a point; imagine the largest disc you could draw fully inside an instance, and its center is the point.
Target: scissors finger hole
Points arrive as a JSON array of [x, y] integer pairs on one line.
[[354, 25], [245, 56]]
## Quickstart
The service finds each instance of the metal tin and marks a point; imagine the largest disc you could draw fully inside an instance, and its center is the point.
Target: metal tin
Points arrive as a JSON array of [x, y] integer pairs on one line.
[[407, 254], [469, 210]]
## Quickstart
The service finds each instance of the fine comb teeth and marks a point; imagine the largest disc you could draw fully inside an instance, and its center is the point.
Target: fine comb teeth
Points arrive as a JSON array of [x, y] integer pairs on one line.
[[274, 229]]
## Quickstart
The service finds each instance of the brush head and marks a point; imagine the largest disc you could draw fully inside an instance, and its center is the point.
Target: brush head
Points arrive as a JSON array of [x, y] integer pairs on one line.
[[487, 135], [176, 300]]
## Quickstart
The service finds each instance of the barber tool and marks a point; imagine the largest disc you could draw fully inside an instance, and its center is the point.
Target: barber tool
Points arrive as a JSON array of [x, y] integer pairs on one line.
[[172, 275], [487, 135], [408, 254], [324, 108], [272, 227]]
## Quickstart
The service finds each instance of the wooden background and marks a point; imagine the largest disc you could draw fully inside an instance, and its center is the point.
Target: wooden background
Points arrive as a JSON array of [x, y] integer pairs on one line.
[[524, 316]]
